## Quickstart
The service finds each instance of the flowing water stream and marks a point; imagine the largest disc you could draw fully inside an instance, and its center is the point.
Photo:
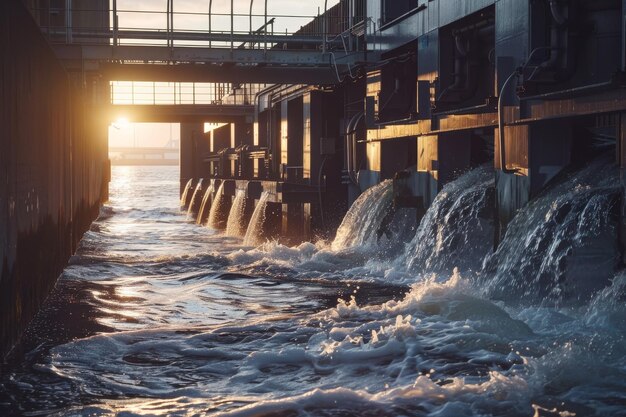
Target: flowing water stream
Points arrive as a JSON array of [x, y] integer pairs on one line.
[[157, 316], [236, 224]]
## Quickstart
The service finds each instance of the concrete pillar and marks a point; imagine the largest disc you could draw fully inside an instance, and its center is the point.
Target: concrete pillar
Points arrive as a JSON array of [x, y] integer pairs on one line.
[[241, 134], [193, 146], [313, 121], [621, 157], [284, 135], [291, 130], [538, 152], [294, 226], [370, 176], [291, 163], [261, 139], [221, 139], [444, 157]]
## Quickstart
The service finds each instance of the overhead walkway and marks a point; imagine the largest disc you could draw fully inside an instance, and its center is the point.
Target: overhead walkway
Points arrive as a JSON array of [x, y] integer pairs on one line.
[[317, 53], [182, 102]]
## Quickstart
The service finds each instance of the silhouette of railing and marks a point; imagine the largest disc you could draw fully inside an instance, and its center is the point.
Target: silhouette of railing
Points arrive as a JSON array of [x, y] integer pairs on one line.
[[162, 93]]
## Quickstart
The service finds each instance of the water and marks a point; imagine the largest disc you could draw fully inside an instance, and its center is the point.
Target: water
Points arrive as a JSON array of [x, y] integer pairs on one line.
[[157, 316], [196, 199], [458, 229], [185, 195], [253, 234], [361, 225], [205, 207], [218, 215], [236, 224], [561, 240]]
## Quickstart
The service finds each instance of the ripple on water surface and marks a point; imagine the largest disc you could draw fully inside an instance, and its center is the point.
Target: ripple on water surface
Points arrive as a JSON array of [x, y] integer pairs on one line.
[[157, 316]]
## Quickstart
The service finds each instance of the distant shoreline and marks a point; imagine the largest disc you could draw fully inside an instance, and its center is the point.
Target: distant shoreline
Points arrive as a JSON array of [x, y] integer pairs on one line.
[[142, 162]]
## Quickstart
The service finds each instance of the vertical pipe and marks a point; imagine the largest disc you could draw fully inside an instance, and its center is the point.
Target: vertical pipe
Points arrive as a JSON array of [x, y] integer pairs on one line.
[[115, 23], [210, 7], [623, 35], [251, 4], [350, 13], [68, 21], [171, 26], [48, 21], [325, 26], [265, 26], [232, 23], [167, 18]]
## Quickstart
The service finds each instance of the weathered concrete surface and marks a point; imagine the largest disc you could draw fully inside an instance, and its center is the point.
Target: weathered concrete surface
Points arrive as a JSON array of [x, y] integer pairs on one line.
[[53, 168]]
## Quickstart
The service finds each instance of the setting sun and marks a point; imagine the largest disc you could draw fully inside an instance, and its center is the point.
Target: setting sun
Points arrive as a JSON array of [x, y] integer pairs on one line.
[[121, 123]]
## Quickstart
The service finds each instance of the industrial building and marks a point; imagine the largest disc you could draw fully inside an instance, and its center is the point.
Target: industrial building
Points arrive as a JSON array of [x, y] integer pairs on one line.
[[414, 91]]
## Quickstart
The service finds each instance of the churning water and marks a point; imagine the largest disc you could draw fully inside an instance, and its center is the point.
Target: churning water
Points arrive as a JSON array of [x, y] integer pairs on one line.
[[236, 224], [157, 316]]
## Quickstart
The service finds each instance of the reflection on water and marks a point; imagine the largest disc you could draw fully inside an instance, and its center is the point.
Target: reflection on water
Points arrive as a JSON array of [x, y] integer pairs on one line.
[[158, 316]]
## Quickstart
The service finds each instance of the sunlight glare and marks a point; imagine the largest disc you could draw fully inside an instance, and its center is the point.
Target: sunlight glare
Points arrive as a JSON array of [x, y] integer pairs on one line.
[[121, 123]]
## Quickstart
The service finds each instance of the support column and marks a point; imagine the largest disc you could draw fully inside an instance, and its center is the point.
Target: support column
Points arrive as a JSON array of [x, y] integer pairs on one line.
[[192, 147], [220, 139], [312, 136], [538, 152], [293, 222], [261, 139], [621, 158], [241, 134]]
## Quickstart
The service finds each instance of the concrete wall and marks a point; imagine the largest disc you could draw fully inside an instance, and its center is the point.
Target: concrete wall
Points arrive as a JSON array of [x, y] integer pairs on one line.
[[53, 168], [194, 144]]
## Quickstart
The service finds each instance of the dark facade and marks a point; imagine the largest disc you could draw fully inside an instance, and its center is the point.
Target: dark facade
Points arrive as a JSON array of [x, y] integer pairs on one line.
[[53, 167]]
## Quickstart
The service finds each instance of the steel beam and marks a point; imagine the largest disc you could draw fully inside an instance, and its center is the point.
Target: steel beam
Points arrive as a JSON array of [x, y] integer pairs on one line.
[[217, 73], [194, 36], [182, 113], [152, 54]]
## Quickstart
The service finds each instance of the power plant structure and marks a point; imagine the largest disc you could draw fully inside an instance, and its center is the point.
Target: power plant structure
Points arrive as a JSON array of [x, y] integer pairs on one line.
[[417, 92]]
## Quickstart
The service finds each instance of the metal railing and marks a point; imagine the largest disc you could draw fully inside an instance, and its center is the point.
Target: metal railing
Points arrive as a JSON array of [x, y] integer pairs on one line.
[[172, 28], [163, 93]]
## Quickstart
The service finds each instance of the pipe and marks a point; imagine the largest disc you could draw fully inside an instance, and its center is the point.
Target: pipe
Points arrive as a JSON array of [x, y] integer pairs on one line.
[[554, 47], [462, 49], [351, 146], [115, 23], [265, 31], [210, 7], [68, 21], [232, 23], [251, 4], [555, 32], [514, 75], [558, 17], [325, 28], [319, 189]]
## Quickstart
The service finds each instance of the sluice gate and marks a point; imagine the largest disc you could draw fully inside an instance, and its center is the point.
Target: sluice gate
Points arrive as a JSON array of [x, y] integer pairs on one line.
[[416, 92]]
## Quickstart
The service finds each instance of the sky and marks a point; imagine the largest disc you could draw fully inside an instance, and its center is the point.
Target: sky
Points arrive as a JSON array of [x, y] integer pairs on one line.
[[132, 14]]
